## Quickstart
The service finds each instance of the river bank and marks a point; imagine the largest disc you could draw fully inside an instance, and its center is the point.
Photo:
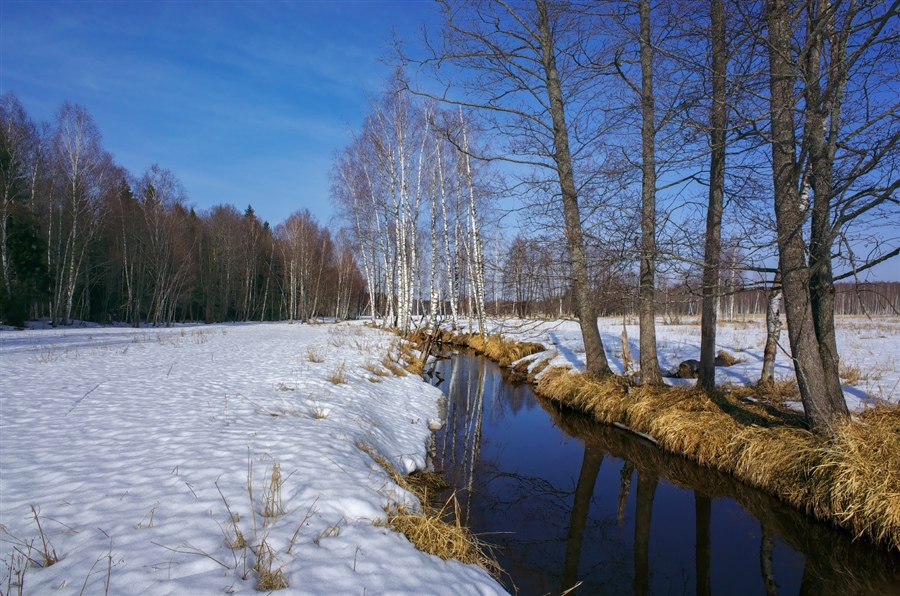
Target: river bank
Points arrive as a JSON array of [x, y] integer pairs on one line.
[[567, 500], [851, 480]]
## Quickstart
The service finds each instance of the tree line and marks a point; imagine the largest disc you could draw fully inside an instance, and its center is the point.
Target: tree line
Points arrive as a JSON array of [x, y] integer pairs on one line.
[[81, 238]]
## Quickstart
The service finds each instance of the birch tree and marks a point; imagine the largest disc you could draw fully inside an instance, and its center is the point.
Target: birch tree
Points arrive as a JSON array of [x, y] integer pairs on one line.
[[82, 171], [519, 70]]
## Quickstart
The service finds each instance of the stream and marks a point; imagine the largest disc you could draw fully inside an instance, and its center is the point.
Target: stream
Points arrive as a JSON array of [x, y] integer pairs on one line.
[[565, 500]]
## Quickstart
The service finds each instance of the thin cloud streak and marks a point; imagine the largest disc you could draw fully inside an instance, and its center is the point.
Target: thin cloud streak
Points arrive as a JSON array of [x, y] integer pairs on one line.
[[222, 93]]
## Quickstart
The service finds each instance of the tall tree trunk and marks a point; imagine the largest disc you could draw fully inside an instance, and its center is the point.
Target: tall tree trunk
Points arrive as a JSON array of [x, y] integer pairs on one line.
[[718, 120], [595, 357], [477, 247], [821, 158], [821, 410], [650, 373]]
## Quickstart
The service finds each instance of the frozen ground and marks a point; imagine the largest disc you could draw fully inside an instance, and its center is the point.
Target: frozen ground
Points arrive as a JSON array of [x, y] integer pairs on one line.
[[869, 350], [124, 437]]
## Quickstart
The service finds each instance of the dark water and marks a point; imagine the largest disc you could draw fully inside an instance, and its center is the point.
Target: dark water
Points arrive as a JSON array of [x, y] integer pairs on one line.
[[566, 500]]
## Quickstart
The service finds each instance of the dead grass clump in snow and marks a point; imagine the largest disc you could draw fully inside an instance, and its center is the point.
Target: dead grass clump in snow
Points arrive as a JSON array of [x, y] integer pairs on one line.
[[271, 496], [431, 533], [851, 479], [411, 361], [39, 555], [723, 358], [851, 374], [313, 355], [526, 370], [237, 541], [16, 568], [270, 577], [389, 363], [375, 369], [337, 376], [384, 463]]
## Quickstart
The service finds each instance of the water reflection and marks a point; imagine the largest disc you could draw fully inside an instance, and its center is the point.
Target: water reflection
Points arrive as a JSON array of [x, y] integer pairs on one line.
[[569, 501]]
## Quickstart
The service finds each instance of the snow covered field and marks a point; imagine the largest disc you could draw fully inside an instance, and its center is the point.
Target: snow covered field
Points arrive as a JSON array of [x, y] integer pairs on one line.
[[123, 438], [869, 349]]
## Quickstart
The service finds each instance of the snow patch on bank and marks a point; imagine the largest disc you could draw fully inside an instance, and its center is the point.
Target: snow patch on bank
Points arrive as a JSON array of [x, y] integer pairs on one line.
[[869, 347]]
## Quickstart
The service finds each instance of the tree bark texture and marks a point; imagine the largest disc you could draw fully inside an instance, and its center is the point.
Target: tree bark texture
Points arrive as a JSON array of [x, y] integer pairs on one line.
[[790, 214], [596, 362], [650, 372], [773, 332], [713, 246]]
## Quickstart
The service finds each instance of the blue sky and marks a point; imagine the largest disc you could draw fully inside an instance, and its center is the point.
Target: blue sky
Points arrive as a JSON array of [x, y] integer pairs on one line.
[[244, 100]]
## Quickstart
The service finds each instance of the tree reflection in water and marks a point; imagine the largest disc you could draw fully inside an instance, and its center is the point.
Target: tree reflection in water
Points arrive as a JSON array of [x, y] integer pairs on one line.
[[553, 491]]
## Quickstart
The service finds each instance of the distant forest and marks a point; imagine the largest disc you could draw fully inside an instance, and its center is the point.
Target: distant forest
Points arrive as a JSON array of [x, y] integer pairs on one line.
[[82, 238]]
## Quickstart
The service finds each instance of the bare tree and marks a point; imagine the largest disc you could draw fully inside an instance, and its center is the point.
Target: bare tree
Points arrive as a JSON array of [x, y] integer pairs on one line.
[[718, 118], [522, 75], [82, 171], [167, 249], [844, 154]]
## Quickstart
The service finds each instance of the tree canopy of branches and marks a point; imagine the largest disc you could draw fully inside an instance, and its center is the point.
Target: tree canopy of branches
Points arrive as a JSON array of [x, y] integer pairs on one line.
[[782, 115]]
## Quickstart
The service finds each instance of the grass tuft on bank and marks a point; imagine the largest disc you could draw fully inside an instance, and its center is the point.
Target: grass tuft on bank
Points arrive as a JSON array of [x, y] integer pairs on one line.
[[434, 530]]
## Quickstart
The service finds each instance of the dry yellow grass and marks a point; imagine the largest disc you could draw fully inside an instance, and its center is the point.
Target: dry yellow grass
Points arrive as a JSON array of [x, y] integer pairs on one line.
[[429, 529], [337, 375], [313, 355], [410, 361], [503, 351], [861, 471], [726, 359], [270, 577], [392, 366], [851, 479], [376, 370], [851, 374], [272, 501]]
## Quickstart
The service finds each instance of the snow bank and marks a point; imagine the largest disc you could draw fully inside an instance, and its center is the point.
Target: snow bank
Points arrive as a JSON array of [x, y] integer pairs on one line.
[[120, 436], [869, 349]]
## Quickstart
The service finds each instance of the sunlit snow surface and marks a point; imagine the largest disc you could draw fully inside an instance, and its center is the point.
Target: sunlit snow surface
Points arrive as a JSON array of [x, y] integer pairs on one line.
[[871, 346], [120, 437]]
